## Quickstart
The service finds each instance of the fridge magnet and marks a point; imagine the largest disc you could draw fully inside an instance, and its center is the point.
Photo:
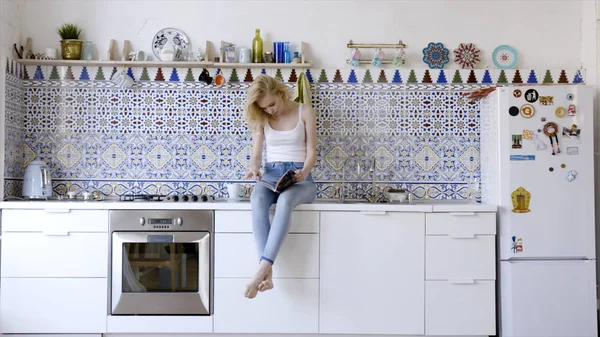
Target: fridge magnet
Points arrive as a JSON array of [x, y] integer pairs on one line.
[[570, 97], [563, 165], [522, 157], [572, 110], [531, 95], [520, 200], [559, 111], [516, 141], [572, 150], [517, 93], [527, 110], [571, 175], [551, 169], [539, 144], [543, 119], [572, 133], [546, 100], [517, 245], [551, 130], [527, 134], [513, 111]]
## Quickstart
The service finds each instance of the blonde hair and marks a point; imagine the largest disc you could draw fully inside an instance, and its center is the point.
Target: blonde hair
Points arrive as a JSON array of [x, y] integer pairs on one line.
[[262, 85]]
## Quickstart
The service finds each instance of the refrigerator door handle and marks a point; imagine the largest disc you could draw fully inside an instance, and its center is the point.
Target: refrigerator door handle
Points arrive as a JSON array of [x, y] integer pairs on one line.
[[462, 281], [462, 213], [575, 259], [462, 236]]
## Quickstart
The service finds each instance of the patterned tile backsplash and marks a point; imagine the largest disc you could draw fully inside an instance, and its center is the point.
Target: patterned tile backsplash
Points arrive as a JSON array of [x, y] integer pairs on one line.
[[175, 135]]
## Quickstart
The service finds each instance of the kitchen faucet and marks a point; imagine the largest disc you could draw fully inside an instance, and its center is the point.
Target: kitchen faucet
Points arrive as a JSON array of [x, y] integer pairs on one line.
[[342, 192]]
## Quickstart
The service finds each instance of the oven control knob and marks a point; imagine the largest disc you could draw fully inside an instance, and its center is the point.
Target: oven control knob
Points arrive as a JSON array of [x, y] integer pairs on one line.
[[175, 198], [142, 221], [185, 198], [194, 198], [178, 221]]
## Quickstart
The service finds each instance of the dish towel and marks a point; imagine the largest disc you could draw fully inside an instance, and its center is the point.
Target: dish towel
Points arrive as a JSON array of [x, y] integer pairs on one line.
[[303, 94]]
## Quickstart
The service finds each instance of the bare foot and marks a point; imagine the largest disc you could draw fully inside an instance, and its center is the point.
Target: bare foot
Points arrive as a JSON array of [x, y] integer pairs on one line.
[[267, 283], [264, 268]]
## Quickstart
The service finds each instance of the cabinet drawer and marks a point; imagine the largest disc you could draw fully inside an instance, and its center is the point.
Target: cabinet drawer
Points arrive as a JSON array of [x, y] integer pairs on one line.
[[54, 255], [236, 256], [460, 309], [53, 305], [241, 221], [55, 220], [449, 258], [292, 306], [460, 223]]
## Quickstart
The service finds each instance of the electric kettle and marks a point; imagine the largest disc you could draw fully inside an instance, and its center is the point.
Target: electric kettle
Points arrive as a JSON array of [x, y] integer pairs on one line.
[[37, 183]]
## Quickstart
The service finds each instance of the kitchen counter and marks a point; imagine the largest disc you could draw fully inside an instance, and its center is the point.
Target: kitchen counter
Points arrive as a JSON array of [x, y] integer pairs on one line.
[[244, 204]]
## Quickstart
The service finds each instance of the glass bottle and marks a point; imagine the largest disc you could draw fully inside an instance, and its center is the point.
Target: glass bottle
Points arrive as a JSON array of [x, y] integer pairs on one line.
[[296, 58], [257, 48], [287, 57]]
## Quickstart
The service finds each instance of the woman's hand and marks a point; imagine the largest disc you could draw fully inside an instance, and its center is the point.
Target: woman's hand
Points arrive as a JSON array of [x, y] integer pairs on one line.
[[253, 174], [300, 175]]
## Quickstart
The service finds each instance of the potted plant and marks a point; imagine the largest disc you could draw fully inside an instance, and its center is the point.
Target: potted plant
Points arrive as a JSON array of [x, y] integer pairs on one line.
[[70, 44]]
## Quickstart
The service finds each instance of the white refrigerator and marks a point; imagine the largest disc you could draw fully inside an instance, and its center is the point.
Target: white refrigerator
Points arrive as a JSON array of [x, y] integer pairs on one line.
[[537, 154]]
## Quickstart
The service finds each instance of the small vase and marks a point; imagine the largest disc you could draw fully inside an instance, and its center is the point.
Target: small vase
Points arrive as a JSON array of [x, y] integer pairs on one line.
[[71, 49]]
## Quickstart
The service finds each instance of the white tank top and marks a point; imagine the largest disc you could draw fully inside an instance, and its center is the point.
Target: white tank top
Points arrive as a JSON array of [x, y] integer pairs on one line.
[[289, 145]]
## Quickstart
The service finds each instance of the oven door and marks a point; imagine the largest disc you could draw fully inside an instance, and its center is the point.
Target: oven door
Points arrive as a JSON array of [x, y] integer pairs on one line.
[[161, 273]]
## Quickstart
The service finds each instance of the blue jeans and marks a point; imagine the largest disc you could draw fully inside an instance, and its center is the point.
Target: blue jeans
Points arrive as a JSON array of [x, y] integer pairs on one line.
[[270, 235]]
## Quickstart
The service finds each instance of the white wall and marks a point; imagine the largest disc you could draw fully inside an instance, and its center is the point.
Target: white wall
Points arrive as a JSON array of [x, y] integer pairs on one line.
[[547, 34], [10, 26]]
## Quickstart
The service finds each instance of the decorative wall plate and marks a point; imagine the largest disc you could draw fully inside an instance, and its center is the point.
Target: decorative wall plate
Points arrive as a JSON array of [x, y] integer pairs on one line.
[[466, 55], [435, 55], [504, 57], [165, 35]]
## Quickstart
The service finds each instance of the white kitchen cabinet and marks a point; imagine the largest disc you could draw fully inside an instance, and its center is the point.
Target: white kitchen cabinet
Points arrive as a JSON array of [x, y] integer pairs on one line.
[[292, 306], [236, 256], [372, 273], [66, 254], [53, 305], [460, 308], [460, 272], [54, 221], [241, 221]]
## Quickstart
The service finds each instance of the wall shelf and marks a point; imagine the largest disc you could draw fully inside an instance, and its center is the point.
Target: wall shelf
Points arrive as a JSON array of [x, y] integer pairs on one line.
[[94, 63], [160, 64], [263, 65]]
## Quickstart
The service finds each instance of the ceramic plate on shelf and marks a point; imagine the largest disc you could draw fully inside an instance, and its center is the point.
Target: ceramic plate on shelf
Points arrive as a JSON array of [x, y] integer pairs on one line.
[[505, 57], [166, 35]]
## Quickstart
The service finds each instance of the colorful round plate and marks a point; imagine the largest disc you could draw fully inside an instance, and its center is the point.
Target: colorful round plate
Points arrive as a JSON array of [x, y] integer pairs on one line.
[[173, 35], [504, 57], [527, 110], [467, 55]]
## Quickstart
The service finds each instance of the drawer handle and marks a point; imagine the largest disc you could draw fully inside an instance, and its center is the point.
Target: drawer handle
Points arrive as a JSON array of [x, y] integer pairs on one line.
[[462, 236], [462, 213], [56, 233], [373, 212], [462, 281], [57, 210]]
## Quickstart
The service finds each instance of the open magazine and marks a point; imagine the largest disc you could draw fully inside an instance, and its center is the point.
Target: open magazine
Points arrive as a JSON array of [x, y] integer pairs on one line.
[[284, 182]]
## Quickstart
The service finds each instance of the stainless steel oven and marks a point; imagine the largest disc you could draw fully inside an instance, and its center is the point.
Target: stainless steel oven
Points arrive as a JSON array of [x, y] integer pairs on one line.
[[161, 262]]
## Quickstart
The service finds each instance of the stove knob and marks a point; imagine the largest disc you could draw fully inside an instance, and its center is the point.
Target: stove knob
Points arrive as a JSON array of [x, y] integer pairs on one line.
[[142, 221], [185, 198], [204, 198], [194, 198], [178, 221], [175, 198]]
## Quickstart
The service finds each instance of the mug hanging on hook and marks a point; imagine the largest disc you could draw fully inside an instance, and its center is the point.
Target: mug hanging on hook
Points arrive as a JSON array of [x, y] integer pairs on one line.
[[400, 58], [378, 57], [354, 57]]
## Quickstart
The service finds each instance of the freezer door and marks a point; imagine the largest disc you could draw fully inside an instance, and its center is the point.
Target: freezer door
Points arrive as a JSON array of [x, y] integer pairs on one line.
[[549, 214], [548, 298]]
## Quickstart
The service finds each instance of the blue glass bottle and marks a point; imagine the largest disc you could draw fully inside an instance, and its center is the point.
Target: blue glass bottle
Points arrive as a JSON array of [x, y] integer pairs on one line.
[[287, 57]]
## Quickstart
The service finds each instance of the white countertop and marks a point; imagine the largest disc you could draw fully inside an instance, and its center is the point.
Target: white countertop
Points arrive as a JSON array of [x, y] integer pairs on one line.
[[317, 205]]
